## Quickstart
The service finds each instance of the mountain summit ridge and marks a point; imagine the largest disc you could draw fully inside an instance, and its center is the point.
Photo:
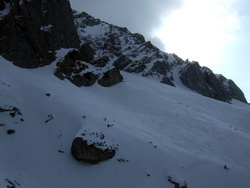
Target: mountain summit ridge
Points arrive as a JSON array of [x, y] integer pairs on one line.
[[132, 53]]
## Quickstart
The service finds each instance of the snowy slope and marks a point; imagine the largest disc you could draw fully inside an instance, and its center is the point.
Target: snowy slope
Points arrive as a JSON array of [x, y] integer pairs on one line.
[[160, 132]]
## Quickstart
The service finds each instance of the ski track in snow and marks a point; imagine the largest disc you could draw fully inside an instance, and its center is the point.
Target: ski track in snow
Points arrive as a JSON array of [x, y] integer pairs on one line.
[[162, 131]]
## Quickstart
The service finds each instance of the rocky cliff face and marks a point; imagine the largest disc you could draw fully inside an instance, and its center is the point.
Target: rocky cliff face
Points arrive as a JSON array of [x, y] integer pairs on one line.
[[232, 90], [205, 82], [32, 30], [124, 50]]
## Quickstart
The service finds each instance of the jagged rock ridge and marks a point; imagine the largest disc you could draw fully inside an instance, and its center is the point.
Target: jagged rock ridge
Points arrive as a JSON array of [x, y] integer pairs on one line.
[[131, 53]]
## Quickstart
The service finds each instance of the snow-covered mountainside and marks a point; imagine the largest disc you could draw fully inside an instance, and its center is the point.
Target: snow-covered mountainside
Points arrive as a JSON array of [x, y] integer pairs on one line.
[[165, 135], [131, 53], [31, 32], [145, 133]]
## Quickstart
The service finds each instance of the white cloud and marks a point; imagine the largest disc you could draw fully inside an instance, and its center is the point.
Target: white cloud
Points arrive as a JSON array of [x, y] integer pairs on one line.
[[138, 16], [200, 30]]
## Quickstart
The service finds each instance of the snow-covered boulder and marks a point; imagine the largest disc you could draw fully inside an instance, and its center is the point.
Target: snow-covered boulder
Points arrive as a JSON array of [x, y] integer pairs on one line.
[[90, 153]]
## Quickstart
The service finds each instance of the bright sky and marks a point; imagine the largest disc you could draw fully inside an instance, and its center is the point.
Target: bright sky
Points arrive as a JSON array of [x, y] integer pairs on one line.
[[200, 30], [213, 32]]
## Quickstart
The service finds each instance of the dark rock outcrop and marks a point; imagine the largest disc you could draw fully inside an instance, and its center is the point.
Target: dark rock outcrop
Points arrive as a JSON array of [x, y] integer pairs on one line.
[[216, 89], [101, 62], [160, 67], [136, 67], [81, 151], [205, 82], [110, 78], [167, 81], [139, 38], [193, 78], [73, 65], [32, 31], [86, 20], [86, 79], [86, 53], [232, 90], [121, 62]]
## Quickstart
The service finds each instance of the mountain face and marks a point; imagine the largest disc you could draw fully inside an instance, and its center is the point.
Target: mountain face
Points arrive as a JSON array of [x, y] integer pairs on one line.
[[141, 132], [131, 53], [31, 32]]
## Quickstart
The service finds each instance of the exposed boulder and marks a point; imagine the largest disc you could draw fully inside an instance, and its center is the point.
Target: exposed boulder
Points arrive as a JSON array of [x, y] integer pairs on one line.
[[32, 31], [89, 153], [86, 53], [86, 79], [110, 78], [58, 73], [167, 81]]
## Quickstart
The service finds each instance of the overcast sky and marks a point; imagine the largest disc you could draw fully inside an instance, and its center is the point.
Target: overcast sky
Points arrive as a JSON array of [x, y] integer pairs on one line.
[[216, 33]]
